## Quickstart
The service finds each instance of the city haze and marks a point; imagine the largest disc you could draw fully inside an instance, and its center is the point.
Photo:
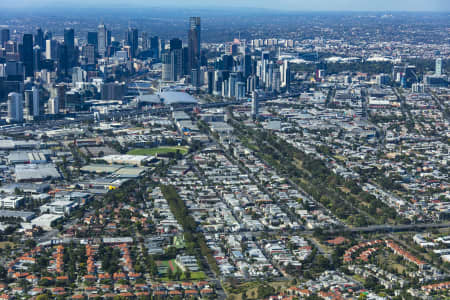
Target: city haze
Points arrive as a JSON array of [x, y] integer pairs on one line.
[[283, 5]]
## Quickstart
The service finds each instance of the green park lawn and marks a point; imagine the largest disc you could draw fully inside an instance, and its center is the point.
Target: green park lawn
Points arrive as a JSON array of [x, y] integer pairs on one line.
[[159, 150]]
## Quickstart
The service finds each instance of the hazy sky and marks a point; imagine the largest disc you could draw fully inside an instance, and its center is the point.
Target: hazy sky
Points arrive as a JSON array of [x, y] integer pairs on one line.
[[299, 5]]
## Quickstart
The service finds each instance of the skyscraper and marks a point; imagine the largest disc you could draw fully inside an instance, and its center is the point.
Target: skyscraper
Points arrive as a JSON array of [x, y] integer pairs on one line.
[[92, 39], [28, 100], [32, 102], [102, 37], [166, 67], [176, 64], [132, 40], [48, 35], [53, 105], [39, 39], [144, 41], [194, 42], [175, 44], [232, 81], [4, 36], [36, 101], [37, 53], [51, 49], [89, 54], [63, 59], [27, 54], [154, 46], [438, 70], [255, 106], [161, 47], [210, 81], [247, 65], [265, 57], [69, 41], [15, 107]]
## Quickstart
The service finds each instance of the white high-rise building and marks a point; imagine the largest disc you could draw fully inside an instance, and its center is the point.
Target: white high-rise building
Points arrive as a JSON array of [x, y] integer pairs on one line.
[[53, 105], [438, 70], [15, 107], [51, 49]]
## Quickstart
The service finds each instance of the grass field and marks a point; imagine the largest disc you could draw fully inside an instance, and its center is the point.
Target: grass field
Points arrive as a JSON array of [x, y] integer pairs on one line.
[[4, 244], [159, 150], [200, 275]]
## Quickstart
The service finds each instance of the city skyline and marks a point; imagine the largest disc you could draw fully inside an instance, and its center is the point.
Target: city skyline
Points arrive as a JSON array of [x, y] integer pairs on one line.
[[283, 5], [224, 153]]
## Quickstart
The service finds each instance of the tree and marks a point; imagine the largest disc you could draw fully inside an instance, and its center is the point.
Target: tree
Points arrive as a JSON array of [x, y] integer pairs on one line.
[[265, 291], [30, 244], [178, 274], [244, 295], [187, 274]]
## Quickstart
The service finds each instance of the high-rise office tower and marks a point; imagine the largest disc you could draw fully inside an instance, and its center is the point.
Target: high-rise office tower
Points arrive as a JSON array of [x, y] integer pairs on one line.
[[92, 39], [265, 57], [255, 105], [240, 90], [176, 64], [247, 65], [144, 42], [154, 46], [108, 38], [438, 70], [51, 49], [59, 91], [132, 40], [53, 105], [78, 75], [37, 53], [113, 91], [285, 70], [185, 59], [232, 81], [48, 35], [15, 107], [63, 61], [36, 101], [32, 102], [28, 108], [194, 42], [69, 42], [276, 80], [11, 47], [4, 36], [89, 54], [195, 77], [27, 54], [102, 37], [161, 47], [14, 70], [251, 83], [269, 76], [166, 67], [175, 44], [227, 62], [210, 81], [39, 39]]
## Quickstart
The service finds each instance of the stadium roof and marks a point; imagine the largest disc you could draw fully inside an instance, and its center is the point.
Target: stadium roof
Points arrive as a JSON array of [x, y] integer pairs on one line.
[[168, 98]]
